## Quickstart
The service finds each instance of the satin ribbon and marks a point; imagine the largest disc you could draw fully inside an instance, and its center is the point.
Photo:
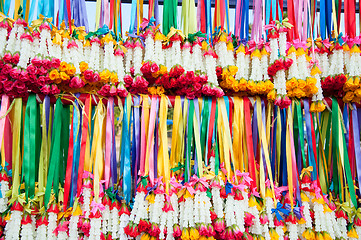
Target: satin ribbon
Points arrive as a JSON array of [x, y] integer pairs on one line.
[[136, 140], [108, 141], [278, 210], [143, 137], [163, 149], [149, 159], [3, 114], [356, 135]]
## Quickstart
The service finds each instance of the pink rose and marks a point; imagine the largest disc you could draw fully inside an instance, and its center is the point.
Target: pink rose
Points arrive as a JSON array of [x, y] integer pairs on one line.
[[88, 75], [121, 91], [154, 68], [36, 62], [54, 89], [42, 71], [128, 80], [104, 91], [96, 77], [113, 91], [76, 82], [19, 86], [45, 26], [31, 69], [36, 34], [55, 63], [46, 89], [46, 63]]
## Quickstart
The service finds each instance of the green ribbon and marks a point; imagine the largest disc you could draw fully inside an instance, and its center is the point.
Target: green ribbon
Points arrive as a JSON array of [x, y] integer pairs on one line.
[[180, 166], [101, 31], [57, 154], [187, 172], [216, 152], [335, 130], [31, 145], [169, 15], [192, 37]]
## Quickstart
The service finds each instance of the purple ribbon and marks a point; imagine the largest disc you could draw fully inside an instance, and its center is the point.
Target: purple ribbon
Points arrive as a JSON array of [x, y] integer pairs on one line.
[[113, 156], [356, 135], [133, 35], [137, 136], [79, 14], [156, 139]]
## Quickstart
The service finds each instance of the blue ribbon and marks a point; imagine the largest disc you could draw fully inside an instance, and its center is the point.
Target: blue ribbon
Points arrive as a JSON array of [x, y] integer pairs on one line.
[[278, 210], [133, 15], [125, 156], [311, 156], [229, 187], [150, 189], [356, 135], [133, 35]]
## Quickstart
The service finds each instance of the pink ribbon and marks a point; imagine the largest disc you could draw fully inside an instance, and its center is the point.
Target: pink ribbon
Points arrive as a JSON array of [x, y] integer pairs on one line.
[[108, 141], [175, 183], [202, 180], [150, 142], [190, 188], [326, 43], [97, 206], [315, 186], [4, 108], [280, 190], [297, 43], [254, 192], [245, 176], [240, 187], [87, 174], [269, 26]]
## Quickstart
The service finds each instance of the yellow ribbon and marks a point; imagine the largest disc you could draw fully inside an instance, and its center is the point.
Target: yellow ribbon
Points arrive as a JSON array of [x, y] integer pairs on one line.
[[163, 156], [9, 20], [37, 22], [174, 31], [283, 23], [345, 207], [177, 136], [306, 171]]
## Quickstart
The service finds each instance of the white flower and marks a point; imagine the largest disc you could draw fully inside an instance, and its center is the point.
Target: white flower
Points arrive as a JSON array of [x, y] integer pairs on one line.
[[52, 219], [3, 38], [137, 59], [41, 232], [73, 227], [149, 48], [4, 187]]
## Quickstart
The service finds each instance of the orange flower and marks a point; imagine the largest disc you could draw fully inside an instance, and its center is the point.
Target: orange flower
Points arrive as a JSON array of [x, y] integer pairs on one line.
[[64, 76], [114, 77], [104, 75], [71, 70], [63, 66], [271, 95], [242, 85], [348, 97], [83, 66], [54, 74]]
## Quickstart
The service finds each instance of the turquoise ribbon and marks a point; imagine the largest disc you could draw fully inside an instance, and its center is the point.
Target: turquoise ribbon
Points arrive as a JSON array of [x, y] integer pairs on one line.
[[125, 156]]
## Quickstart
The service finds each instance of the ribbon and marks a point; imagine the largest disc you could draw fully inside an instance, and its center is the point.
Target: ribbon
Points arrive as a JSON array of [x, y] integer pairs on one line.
[[356, 135], [97, 206], [163, 156], [228, 187], [278, 210]]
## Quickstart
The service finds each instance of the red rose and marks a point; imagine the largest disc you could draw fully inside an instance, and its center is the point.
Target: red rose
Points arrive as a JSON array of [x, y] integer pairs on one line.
[[42, 71], [54, 89], [8, 85], [19, 86], [96, 77], [88, 75], [128, 80], [15, 73], [46, 89], [7, 58], [15, 58], [46, 63], [6, 69]]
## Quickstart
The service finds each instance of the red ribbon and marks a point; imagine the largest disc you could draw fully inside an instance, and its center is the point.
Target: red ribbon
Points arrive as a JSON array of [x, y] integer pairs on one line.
[[211, 126], [69, 169], [350, 18], [83, 142]]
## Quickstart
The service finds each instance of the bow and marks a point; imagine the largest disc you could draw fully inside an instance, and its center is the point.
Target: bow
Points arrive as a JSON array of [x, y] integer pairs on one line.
[[337, 39], [278, 210], [344, 207], [151, 189], [228, 187], [135, 36], [298, 211], [297, 43], [307, 171], [180, 166], [175, 183], [194, 180], [41, 20], [317, 189], [97, 206], [280, 190], [269, 26], [146, 23], [241, 187], [284, 23], [192, 37], [245, 176], [111, 194], [9, 20], [101, 31], [174, 31], [254, 192], [87, 174], [188, 186]]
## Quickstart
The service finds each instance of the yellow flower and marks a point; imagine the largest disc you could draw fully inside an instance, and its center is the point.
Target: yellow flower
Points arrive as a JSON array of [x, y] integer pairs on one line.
[[356, 81], [185, 234], [242, 85], [264, 52], [77, 211], [269, 85], [256, 53], [162, 70], [194, 234], [159, 36], [348, 84], [71, 69], [292, 49], [104, 75], [300, 52], [233, 69], [63, 66], [327, 236], [355, 49], [145, 236], [315, 70], [313, 107], [351, 233], [160, 90], [291, 84], [356, 99], [203, 238], [252, 86], [301, 221], [54, 74], [358, 92], [309, 234], [230, 46], [299, 93], [348, 97], [204, 45], [241, 48], [302, 84], [152, 90], [64, 76], [114, 77], [345, 47], [150, 198], [304, 197], [261, 88], [273, 234], [271, 95], [83, 66]]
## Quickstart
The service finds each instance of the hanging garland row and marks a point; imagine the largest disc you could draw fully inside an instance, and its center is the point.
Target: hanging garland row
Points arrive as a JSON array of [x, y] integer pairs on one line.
[[267, 163]]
